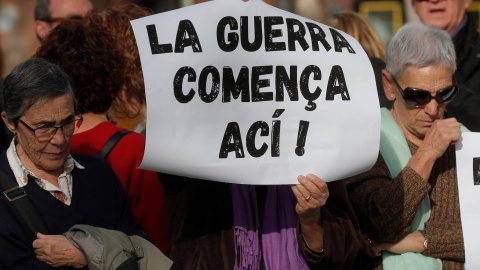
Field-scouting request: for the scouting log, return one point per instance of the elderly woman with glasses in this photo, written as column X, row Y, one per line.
column 408, row 202
column 62, row 189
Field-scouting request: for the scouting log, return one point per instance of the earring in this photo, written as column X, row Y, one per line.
column 392, row 97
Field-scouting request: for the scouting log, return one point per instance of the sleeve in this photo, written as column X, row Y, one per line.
column 341, row 232
column 445, row 241
column 17, row 256
column 16, row 243
column 385, row 207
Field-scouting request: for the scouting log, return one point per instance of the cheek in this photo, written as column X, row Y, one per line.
column 31, row 147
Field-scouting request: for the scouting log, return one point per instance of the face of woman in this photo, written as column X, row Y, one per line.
column 45, row 155
column 416, row 122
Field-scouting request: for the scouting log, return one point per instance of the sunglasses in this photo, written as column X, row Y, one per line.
column 419, row 97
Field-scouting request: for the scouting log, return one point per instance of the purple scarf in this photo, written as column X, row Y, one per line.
column 279, row 238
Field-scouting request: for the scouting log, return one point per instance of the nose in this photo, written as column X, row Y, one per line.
column 432, row 108
column 58, row 137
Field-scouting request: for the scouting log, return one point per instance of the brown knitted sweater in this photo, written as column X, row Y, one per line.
column 386, row 206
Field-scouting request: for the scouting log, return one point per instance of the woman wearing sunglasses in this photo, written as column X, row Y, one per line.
column 408, row 202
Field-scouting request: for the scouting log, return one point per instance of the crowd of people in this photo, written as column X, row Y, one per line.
column 72, row 138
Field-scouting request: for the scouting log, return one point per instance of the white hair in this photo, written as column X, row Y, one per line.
column 419, row 45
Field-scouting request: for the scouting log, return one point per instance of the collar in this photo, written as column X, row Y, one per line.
column 459, row 27
column 21, row 173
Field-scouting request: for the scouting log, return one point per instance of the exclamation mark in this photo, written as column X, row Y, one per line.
column 302, row 137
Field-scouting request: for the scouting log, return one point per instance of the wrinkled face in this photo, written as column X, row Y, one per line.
column 49, row 155
column 62, row 9
column 416, row 122
column 443, row 14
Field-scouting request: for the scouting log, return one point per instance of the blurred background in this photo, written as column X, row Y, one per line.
column 18, row 41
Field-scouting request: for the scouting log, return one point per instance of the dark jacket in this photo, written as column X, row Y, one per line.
column 5, row 134
column 466, row 106
column 98, row 200
column 201, row 226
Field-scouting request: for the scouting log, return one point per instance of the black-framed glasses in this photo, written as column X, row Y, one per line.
column 418, row 97
column 46, row 133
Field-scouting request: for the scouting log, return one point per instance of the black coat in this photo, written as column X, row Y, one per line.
column 5, row 134
column 466, row 107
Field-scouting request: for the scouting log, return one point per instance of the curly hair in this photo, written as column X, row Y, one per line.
column 116, row 19
column 91, row 57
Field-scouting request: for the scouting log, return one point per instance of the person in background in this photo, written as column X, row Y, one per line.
column 65, row 188
column 5, row 134
column 129, row 107
column 408, row 202
column 358, row 27
column 96, row 66
column 49, row 13
column 452, row 17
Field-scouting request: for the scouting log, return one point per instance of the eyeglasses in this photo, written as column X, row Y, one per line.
column 44, row 134
column 419, row 97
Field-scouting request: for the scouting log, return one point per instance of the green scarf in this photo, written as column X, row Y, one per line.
column 395, row 152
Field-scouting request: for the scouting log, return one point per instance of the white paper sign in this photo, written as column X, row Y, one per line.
column 468, row 173
column 243, row 92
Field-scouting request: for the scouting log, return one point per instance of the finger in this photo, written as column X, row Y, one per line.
column 300, row 197
column 301, row 187
column 315, row 188
column 39, row 243
column 319, row 184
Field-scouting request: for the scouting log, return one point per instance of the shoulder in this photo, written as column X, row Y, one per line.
column 92, row 163
column 133, row 142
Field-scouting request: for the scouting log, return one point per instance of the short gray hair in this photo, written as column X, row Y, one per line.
column 30, row 82
column 419, row 45
column 42, row 10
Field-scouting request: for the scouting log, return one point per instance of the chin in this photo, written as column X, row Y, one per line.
column 53, row 165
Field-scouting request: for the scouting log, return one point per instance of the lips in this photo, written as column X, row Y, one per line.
column 437, row 10
column 55, row 155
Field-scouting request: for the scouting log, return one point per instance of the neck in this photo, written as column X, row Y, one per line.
column 91, row 120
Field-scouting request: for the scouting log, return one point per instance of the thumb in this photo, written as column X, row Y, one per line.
column 41, row 236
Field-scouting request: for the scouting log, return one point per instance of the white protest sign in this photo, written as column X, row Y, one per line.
column 468, row 174
column 243, row 92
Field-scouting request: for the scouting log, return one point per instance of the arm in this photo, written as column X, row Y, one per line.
column 385, row 207
column 329, row 226
column 445, row 241
column 412, row 242
column 17, row 254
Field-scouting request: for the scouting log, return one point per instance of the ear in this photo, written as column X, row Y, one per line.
column 388, row 85
column 42, row 29
column 9, row 123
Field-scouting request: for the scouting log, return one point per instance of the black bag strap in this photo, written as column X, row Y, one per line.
column 18, row 197
column 110, row 144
